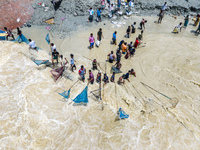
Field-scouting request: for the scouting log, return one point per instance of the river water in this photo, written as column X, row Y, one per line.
column 35, row 116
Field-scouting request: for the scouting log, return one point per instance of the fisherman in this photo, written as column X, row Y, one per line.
column 128, row 32
column 73, row 66
column 91, row 41
column 105, row 79
column 130, row 45
column 161, row 15
column 9, row 32
column 32, row 45
column 127, row 75
column 111, row 57
column 121, row 79
column 91, row 12
column 132, row 52
column 118, row 4
column 119, row 55
column 19, row 32
column 118, row 65
column 140, row 37
column 55, row 56
column 99, row 77
column 133, row 27
column 124, row 48
column 99, row 15
column 198, row 29
column 102, row 4
column 120, row 44
column 127, row 54
column 142, row 24
column 133, row 72
column 114, row 39
column 82, row 72
column 112, row 79
column 53, row 47
column 91, row 77
column 186, row 21
column 62, row 61
column 94, row 64
column 178, row 28
column 136, row 43
column 164, row 7
column 111, row 9
column 99, row 34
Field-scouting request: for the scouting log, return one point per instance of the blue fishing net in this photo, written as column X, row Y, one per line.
column 114, row 69
column 2, row 37
column 65, row 94
column 39, row 62
column 47, row 38
column 21, row 39
column 122, row 114
column 83, row 97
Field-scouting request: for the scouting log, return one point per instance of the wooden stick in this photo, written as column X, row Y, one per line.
column 50, row 33
column 74, row 84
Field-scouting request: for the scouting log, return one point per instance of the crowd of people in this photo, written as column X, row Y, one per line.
column 124, row 48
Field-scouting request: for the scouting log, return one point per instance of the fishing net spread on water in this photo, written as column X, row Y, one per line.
column 82, row 97
column 122, row 114
column 65, row 94
column 21, row 39
column 57, row 72
column 40, row 62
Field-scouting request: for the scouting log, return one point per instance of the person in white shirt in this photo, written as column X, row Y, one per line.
column 91, row 12
column 63, row 62
column 178, row 28
column 164, row 7
column 32, row 45
column 53, row 46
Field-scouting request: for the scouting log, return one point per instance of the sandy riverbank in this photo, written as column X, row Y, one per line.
column 34, row 116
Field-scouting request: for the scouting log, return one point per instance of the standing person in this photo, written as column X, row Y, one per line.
column 91, row 77
column 111, row 57
column 130, row 46
column 32, row 45
column 114, row 39
column 133, row 72
column 99, row 15
column 198, row 29
column 119, row 55
column 9, row 32
column 102, row 4
column 94, row 64
column 99, row 34
column 127, row 75
column 127, row 54
column 136, row 43
column 128, row 32
column 112, row 79
column 91, row 12
column 55, row 56
column 19, row 32
column 82, row 72
column 73, row 66
column 132, row 52
column 124, row 48
column 161, row 15
column 118, row 4
column 53, row 47
column 118, row 65
column 108, row 1
column 99, row 77
column 91, row 41
column 121, row 79
column 164, row 7
column 178, row 28
column 111, row 9
column 120, row 44
column 105, row 79
column 140, row 37
column 142, row 24
column 186, row 21
column 133, row 27
column 63, row 62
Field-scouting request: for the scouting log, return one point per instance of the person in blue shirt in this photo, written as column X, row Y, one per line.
column 112, row 79
column 105, row 79
column 114, row 38
column 127, row 75
column 99, row 15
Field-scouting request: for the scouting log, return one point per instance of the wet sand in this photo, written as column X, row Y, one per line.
column 35, row 116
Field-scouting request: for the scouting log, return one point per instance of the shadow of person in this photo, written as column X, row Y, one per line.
column 56, row 4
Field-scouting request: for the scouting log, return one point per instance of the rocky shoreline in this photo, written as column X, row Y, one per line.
column 76, row 12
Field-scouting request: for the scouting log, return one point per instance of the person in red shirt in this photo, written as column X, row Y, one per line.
column 136, row 43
